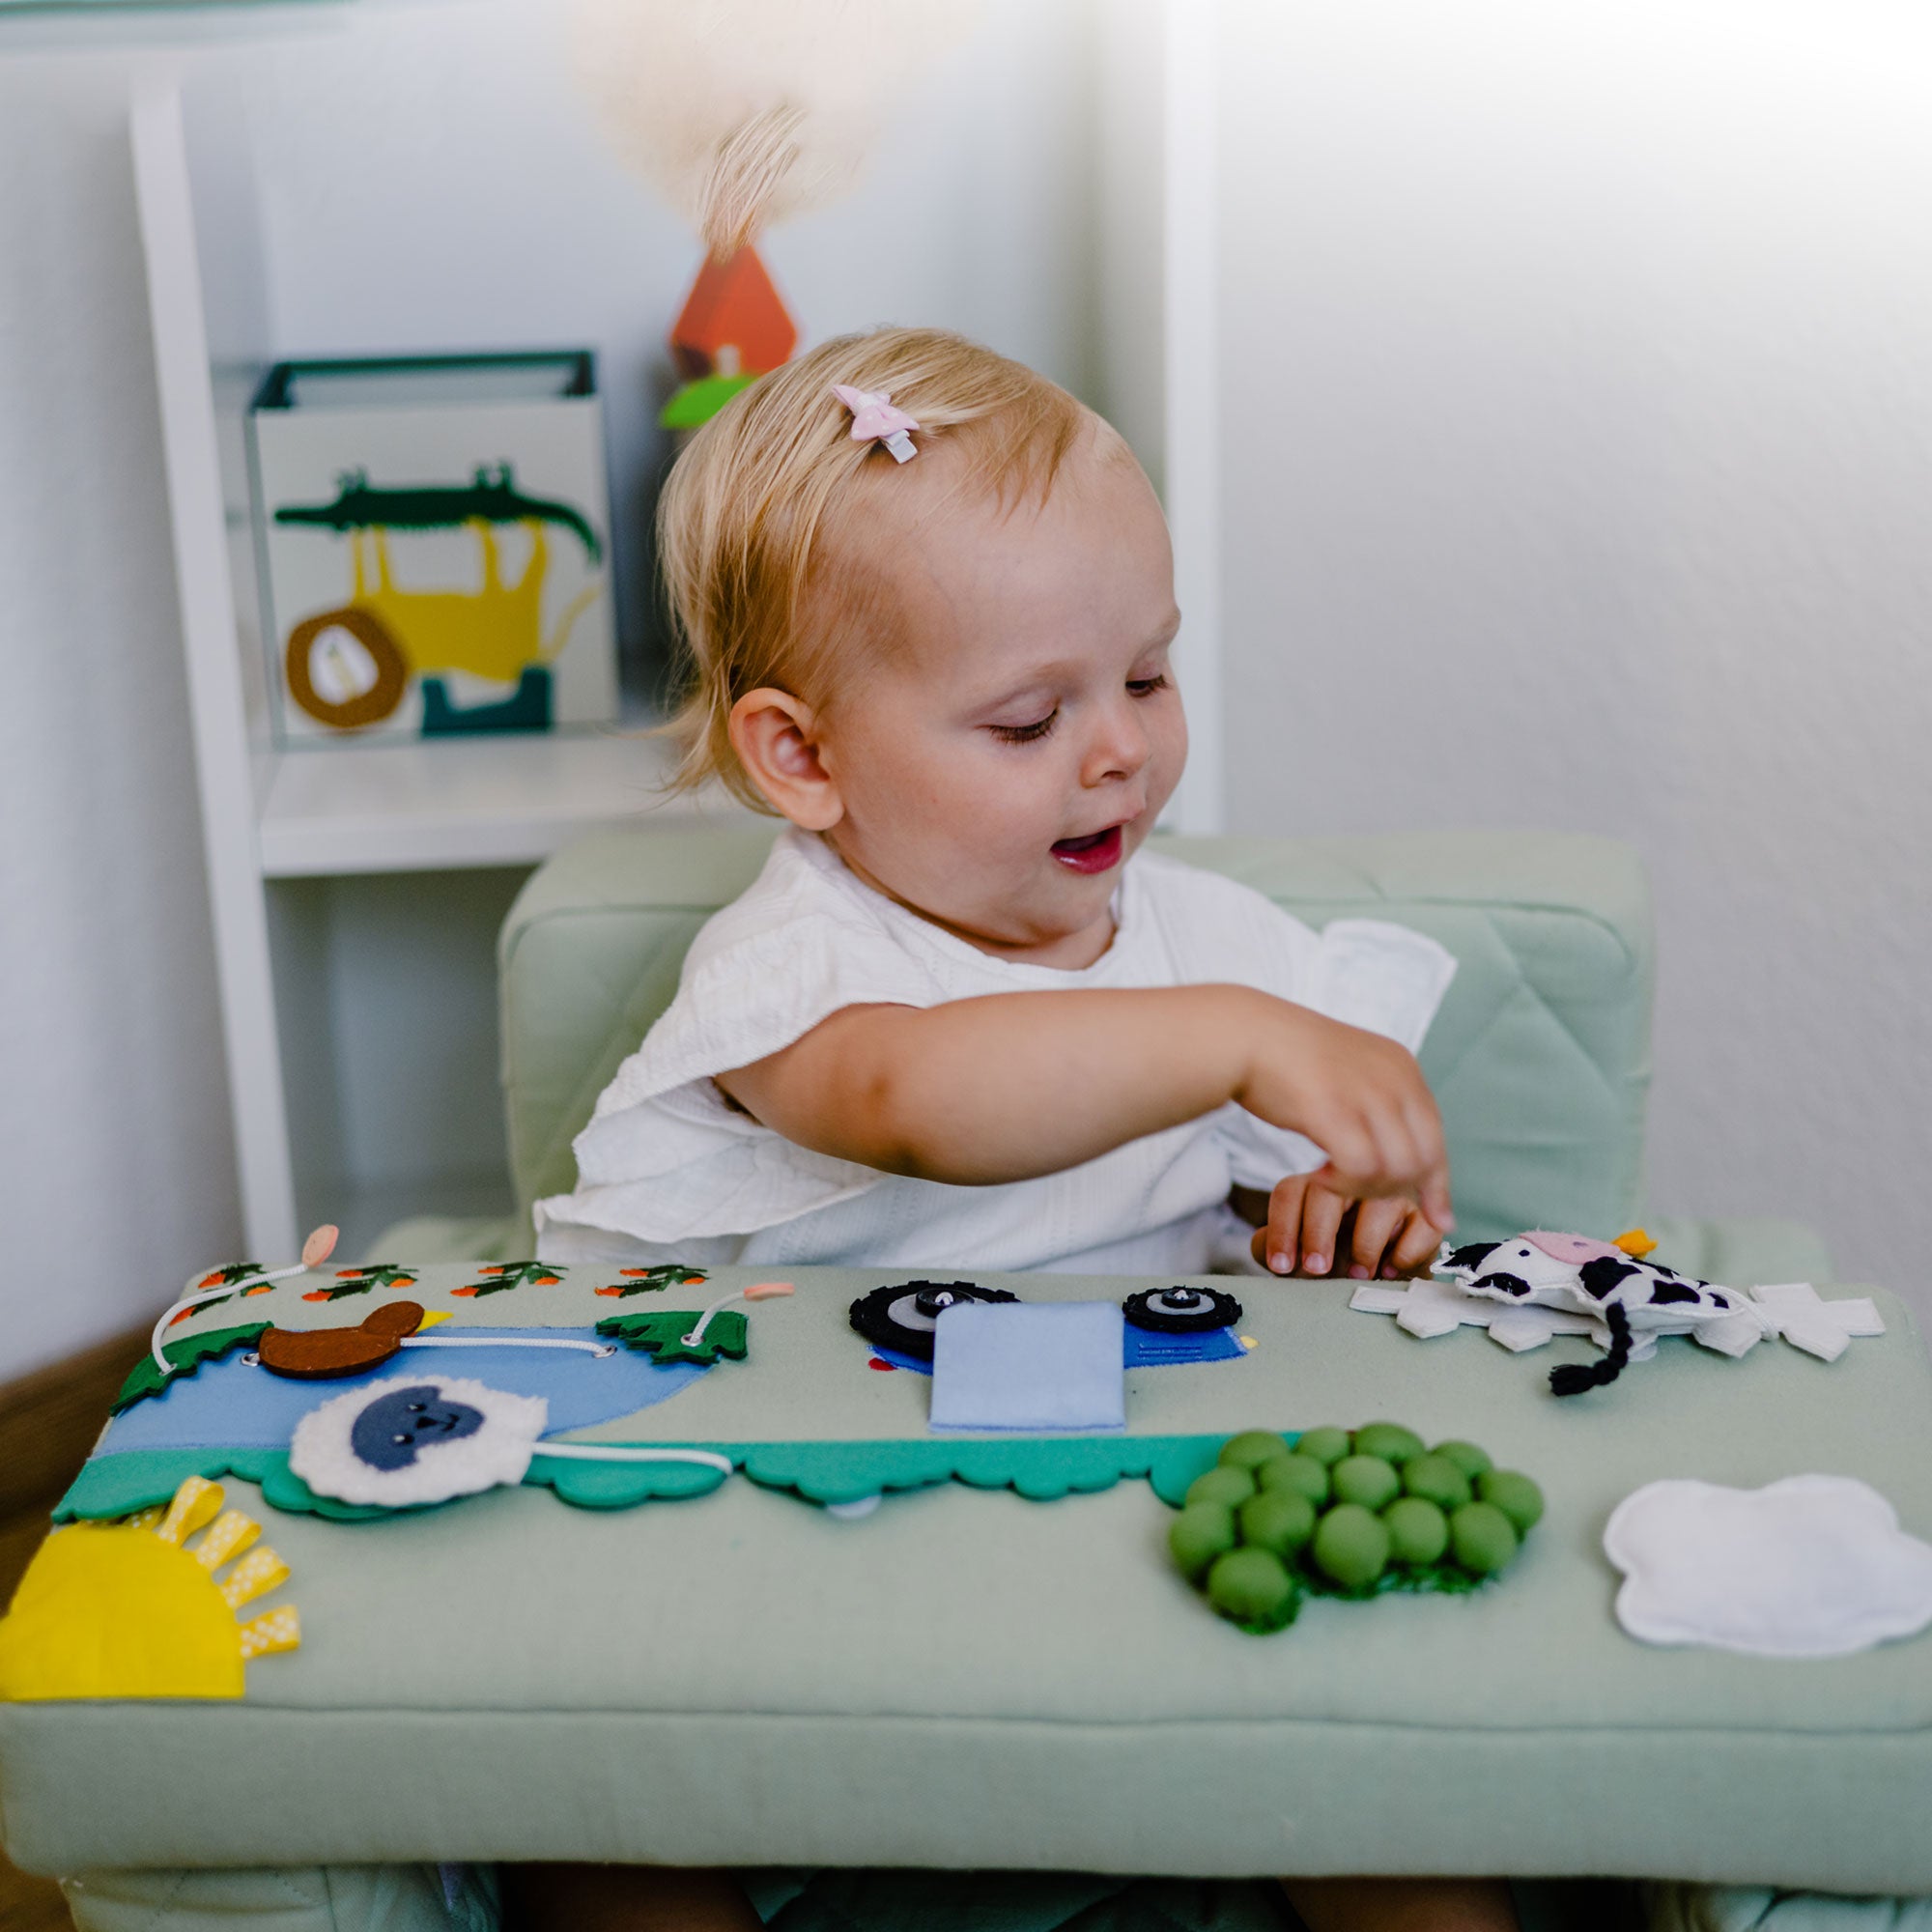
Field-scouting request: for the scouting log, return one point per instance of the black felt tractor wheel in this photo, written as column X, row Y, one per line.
column 1181, row 1311
column 903, row 1318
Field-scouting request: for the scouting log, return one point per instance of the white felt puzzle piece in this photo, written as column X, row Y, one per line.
column 1808, row 1322
column 1735, row 1336
column 1424, row 1308
column 1380, row 1297
column 1427, row 1309
column 1521, row 1328
column 1818, row 1338
column 1430, row 1309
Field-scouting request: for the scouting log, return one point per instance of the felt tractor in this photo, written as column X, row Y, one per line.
column 349, row 666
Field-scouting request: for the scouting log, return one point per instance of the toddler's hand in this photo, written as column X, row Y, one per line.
column 1313, row 1230
column 1360, row 1099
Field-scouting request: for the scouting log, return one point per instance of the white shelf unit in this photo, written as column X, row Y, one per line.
column 355, row 891
column 286, row 833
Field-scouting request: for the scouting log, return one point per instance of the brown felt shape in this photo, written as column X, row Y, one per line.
column 320, row 1354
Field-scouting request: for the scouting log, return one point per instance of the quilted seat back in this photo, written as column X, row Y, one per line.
column 1540, row 1055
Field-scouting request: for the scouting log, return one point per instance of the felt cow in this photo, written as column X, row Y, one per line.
column 1634, row 1302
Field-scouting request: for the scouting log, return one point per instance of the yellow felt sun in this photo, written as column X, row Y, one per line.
column 129, row 1610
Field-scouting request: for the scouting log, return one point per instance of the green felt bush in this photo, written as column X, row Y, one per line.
column 1345, row 1513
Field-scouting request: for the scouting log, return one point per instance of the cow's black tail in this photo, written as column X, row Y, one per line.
column 1573, row 1378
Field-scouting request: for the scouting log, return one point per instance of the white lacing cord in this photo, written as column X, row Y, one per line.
column 600, row 1350
column 188, row 1301
column 599, row 1452
column 759, row 1291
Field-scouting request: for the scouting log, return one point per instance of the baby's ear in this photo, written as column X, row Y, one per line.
column 776, row 737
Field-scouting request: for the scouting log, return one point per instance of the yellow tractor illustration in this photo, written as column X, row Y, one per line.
column 350, row 667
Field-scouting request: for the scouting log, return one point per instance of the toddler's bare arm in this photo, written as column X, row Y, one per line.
column 1015, row 1085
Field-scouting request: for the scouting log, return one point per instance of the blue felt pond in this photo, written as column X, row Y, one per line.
column 234, row 1402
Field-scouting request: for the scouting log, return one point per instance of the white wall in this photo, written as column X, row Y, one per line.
column 1578, row 429
column 116, row 1166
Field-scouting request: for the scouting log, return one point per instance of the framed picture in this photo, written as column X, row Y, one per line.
column 433, row 542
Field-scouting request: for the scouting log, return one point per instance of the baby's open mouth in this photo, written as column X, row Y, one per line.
column 1095, row 852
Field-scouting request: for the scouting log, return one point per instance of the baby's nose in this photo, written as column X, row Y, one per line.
column 1118, row 749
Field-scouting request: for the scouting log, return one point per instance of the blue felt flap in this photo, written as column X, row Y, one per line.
column 1023, row 1365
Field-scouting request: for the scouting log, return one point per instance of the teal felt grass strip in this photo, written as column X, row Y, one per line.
column 844, row 1472
column 1042, row 1470
column 137, row 1479
column 608, row 1485
column 119, row 1485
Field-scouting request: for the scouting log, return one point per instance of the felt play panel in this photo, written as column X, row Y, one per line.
column 794, row 1397
column 965, row 1677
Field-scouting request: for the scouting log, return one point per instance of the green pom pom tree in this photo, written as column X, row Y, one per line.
column 1349, row 1513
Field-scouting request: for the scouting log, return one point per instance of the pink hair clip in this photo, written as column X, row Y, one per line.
column 875, row 420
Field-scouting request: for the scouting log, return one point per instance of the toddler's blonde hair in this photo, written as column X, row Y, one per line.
column 771, row 496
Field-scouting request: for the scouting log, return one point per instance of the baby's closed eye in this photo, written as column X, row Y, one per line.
column 1025, row 734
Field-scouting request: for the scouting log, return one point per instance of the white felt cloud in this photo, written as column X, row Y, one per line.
column 416, row 1439
column 1811, row 1566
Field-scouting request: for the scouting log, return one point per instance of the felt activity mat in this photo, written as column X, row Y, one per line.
column 837, row 1400
column 1023, row 1674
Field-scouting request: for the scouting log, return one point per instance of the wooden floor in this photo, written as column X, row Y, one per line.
column 47, row 1424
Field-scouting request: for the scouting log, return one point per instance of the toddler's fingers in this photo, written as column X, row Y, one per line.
column 1416, row 1247
column 1424, row 1123
column 1433, row 1198
column 1321, row 1212
column 1377, row 1223
column 1278, row 1246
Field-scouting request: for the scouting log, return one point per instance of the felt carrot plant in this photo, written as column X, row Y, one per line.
column 501, row 1276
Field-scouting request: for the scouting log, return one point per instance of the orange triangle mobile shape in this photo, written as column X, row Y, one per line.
column 733, row 315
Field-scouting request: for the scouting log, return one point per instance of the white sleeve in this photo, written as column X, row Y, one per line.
column 1368, row 973
column 666, row 1157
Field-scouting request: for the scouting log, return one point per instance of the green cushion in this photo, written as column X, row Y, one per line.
column 965, row 1678
column 1539, row 1056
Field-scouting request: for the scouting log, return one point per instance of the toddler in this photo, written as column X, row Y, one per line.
column 962, row 1021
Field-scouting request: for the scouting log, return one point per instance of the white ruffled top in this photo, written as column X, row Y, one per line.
column 668, row 1170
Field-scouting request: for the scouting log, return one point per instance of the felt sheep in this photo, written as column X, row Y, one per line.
column 416, row 1439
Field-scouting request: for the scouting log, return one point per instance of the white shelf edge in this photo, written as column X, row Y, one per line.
column 355, row 846
column 414, row 806
column 218, row 715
